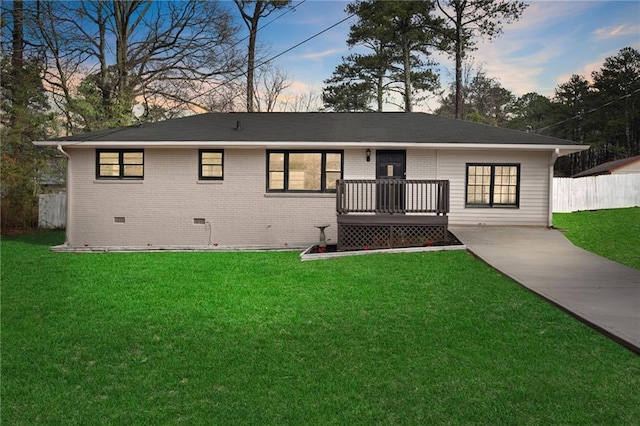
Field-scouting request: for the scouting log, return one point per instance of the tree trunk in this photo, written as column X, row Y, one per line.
column 17, row 36
column 17, row 61
column 122, row 15
column 250, row 72
column 458, row 46
column 253, row 34
column 380, row 92
column 104, row 68
column 407, row 74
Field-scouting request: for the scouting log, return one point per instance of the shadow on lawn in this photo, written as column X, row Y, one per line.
column 46, row 238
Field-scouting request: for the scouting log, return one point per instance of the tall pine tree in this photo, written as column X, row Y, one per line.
column 472, row 19
column 400, row 36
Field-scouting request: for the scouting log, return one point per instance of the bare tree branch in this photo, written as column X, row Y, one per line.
column 117, row 51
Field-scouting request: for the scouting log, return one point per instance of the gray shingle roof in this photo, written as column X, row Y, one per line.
column 396, row 127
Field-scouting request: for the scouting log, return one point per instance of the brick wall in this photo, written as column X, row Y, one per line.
column 160, row 209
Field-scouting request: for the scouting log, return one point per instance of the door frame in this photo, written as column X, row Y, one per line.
column 390, row 197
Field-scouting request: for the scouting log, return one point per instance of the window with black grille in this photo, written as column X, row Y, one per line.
column 303, row 171
column 493, row 185
column 211, row 164
column 119, row 164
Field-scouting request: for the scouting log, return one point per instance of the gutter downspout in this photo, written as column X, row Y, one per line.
column 67, row 219
column 554, row 156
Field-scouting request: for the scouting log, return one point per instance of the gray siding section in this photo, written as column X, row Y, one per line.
column 422, row 164
column 534, row 188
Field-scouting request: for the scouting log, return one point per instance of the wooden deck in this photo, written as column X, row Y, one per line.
column 390, row 213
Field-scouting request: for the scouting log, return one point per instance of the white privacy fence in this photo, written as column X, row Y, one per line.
column 52, row 210
column 596, row 192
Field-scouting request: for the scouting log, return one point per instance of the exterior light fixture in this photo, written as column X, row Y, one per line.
column 368, row 155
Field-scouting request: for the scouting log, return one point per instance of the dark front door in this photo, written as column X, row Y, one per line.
column 391, row 172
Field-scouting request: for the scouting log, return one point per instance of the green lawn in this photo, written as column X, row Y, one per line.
column 262, row 338
column 614, row 234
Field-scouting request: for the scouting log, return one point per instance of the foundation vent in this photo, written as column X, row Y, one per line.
column 119, row 219
column 199, row 221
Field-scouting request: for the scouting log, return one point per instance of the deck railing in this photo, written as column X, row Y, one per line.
column 392, row 196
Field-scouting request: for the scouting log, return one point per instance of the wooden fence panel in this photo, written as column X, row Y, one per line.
column 52, row 210
column 596, row 192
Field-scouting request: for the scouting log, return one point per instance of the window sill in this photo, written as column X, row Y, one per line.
column 491, row 207
column 300, row 195
column 210, row 182
column 119, row 181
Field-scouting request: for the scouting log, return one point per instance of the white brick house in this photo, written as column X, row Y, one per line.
column 265, row 180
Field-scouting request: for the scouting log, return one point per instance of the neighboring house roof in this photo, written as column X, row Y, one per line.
column 607, row 168
column 356, row 129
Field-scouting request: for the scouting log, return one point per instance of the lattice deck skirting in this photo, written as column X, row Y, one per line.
column 356, row 232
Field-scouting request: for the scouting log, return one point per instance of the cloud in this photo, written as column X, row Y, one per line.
column 298, row 87
column 321, row 55
column 517, row 63
column 617, row 31
column 549, row 13
column 528, row 48
column 547, row 45
column 584, row 71
column 300, row 96
column 587, row 69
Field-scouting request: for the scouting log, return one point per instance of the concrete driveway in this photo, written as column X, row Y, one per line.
column 603, row 294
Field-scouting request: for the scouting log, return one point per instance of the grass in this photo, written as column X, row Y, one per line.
column 614, row 234
column 262, row 338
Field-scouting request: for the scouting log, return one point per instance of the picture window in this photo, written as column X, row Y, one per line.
column 303, row 171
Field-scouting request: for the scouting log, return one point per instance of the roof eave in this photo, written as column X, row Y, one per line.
column 563, row 149
column 626, row 164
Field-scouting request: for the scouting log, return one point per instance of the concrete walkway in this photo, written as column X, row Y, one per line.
column 603, row 294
